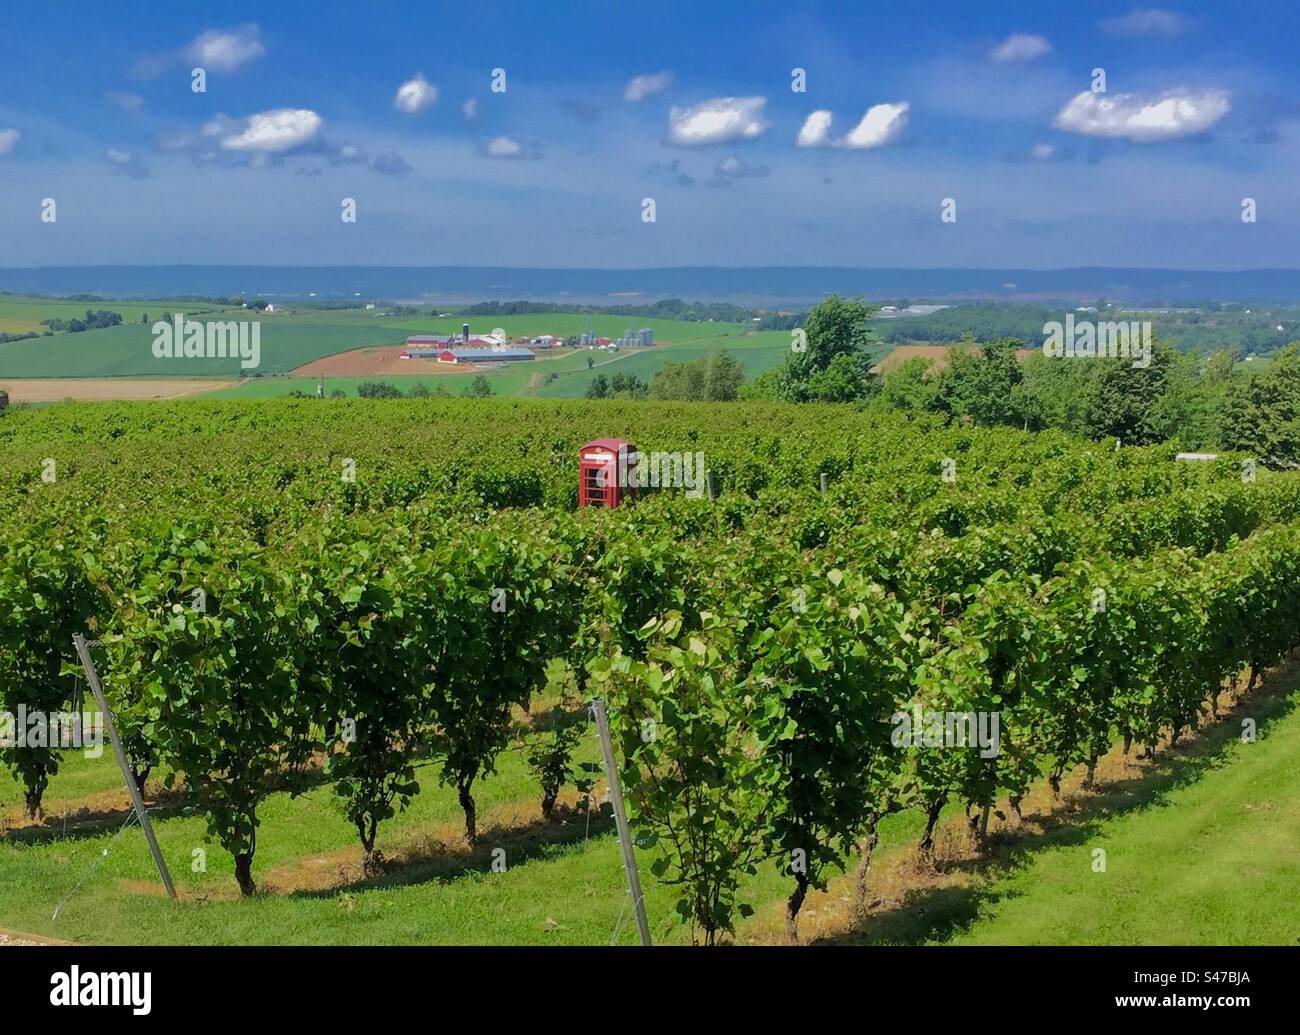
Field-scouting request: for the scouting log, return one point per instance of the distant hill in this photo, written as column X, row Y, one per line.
column 767, row 285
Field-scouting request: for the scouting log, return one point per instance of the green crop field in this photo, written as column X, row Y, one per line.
column 287, row 342
column 20, row 314
column 298, row 336
column 299, row 634
column 564, row 324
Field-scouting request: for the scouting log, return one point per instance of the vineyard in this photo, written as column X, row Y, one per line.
column 367, row 600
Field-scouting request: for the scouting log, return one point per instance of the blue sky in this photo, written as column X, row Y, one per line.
column 606, row 104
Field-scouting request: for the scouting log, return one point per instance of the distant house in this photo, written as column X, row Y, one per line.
column 270, row 307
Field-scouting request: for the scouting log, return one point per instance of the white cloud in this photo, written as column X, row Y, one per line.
column 219, row 50
column 503, row 147
column 718, row 121
column 642, row 86
column 509, row 148
column 269, row 132
column 1042, row 152
column 415, row 95
column 1020, row 46
column 470, row 109
column 1147, row 21
column 224, row 50
column 815, row 130
column 1143, row 118
column 881, row 124
column 8, row 137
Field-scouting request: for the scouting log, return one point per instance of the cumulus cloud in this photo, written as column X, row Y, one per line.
column 125, row 100
column 1020, row 46
column 881, row 124
column 268, row 132
column 125, row 163
column 718, row 121
column 642, row 86
column 224, row 50
column 8, row 138
column 266, row 140
column 218, row 50
column 509, row 148
column 816, row 130
column 415, row 95
column 470, row 109
column 1147, row 21
column 1042, row 152
column 1144, row 118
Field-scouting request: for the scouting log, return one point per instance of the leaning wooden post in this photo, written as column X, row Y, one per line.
column 825, row 479
column 92, row 677
column 620, row 819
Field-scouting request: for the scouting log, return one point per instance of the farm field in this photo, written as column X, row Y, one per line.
column 126, row 350
column 308, row 342
column 417, row 568
column 44, row 390
column 20, row 314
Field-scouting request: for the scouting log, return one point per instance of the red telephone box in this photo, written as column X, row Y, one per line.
column 606, row 473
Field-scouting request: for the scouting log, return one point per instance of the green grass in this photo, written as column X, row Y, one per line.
column 1212, row 858
column 20, row 313
column 127, row 350
column 1203, row 848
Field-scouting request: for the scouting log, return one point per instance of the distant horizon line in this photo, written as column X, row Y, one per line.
column 634, row 269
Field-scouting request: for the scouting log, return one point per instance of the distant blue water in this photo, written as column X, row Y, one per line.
column 753, row 286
